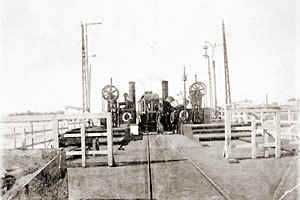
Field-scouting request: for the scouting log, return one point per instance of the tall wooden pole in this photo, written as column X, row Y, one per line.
column 209, row 77
column 227, row 81
column 88, row 71
column 83, row 62
column 184, row 88
column 86, row 68
column 215, row 84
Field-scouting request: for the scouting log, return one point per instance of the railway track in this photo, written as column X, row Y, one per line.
column 149, row 176
column 162, row 175
column 211, row 181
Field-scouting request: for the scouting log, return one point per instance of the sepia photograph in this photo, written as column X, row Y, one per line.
column 149, row 99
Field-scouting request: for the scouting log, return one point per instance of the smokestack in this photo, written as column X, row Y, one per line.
column 165, row 89
column 131, row 96
column 132, row 92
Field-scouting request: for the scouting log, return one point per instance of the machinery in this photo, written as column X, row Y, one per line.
column 195, row 114
column 155, row 113
column 196, row 93
column 122, row 112
column 126, row 111
column 148, row 107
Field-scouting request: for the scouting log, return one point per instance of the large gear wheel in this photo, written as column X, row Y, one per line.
column 110, row 93
column 197, row 86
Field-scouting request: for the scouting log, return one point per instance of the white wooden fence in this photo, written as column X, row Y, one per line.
column 34, row 131
column 267, row 144
column 83, row 119
column 21, row 132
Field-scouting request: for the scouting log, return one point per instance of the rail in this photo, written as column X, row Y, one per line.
column 149, row 173
column 221, row 191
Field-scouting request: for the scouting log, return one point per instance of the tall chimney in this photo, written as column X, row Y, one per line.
column 165, row 89
column 131, row 96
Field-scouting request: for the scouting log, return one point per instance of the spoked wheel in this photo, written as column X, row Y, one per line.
column 110, row 92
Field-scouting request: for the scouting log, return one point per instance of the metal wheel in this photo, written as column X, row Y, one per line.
column 197, row 86
column 110, row 92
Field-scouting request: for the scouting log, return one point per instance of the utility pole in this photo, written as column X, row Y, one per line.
column 184, row 89
column 86, row 68
column 213, row 47
column 215, row 84
column 209, row 76
column 227, row 80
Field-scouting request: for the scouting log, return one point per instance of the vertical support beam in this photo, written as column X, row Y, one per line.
column 215, row 85
column 184, row 88
column 253, row 138
column 69, row 124
column 265, row 136
column 15, row 137
column 32, row 136
column 277, row 135
column 266, row 140
column 94, row 146
column 109, row 140
column 227, row 145
column 226, row 70
column 289, row 116
column 44, row 131
column 84, row 66
column 55, row 133
column 24, row 138
column 83, row 153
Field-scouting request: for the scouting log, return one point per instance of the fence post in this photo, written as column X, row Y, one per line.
column 24, row 138
column 277, row 135
column 289, row 116
column 55, row 133
column 266, row 140
column 83, row 155
column 45, row 145
column 32, row 139
column 253, row 138
column 109, row 140
column 227, row 145
column 94, row 146
column 15, row 137
column 69, row 125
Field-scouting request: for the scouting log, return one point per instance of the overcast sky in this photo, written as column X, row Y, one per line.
column 146, row 42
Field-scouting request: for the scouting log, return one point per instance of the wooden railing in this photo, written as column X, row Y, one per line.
column 276, row 135
column 83, row 120
column 33, row 131
column 21, row 132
